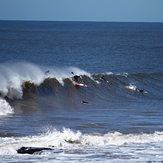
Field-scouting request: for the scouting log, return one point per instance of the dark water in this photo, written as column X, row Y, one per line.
column 129, row 55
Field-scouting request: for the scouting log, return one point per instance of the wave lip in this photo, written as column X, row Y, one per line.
column 14, row 76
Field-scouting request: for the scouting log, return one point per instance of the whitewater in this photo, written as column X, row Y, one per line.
column 68, row 146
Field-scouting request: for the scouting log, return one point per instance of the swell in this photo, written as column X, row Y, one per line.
column 119, row 87
column 25, row 80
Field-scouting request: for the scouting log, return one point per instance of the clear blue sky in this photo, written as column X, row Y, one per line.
column 82, row 10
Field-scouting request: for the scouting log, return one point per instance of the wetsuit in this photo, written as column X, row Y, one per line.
column 76, row 77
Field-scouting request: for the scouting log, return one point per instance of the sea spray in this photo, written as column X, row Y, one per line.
column 131, row 87
column 13, row 76
column 61, row 73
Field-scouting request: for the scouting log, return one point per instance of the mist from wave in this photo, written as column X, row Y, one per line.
column 13, row 76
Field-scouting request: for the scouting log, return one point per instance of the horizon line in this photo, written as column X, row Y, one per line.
column 97, row 21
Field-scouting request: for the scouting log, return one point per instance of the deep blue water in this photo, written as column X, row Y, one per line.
column 120, row 47
column 129, row 55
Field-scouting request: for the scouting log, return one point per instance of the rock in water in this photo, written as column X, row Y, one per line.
column 31, row 150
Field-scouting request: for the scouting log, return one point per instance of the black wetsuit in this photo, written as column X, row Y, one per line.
column 76, row 77
column 103, row 78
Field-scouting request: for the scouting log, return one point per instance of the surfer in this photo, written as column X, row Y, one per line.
column 102, row 78
column 141, row 90
column 134, row 88
column 84, row 102
column 75, row 77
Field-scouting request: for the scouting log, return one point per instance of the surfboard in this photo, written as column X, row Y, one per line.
column 80, row 84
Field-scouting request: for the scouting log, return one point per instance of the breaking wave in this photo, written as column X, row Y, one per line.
column 23, row 79
column 14, row 76
column 70, row 139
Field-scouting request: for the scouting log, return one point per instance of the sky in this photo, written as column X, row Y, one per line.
column 83, row 10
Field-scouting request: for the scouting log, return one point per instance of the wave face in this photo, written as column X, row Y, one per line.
column 18, row 78
column 21, row 78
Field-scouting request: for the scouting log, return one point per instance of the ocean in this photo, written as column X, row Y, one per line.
column 118, row 117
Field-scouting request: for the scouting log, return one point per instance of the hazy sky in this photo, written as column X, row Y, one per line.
column 82, row 10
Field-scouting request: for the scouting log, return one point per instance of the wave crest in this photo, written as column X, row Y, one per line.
column 14, row 76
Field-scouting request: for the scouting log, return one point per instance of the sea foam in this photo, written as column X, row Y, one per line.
column 69, row 139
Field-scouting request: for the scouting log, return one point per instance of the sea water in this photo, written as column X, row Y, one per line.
column 41, row 107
